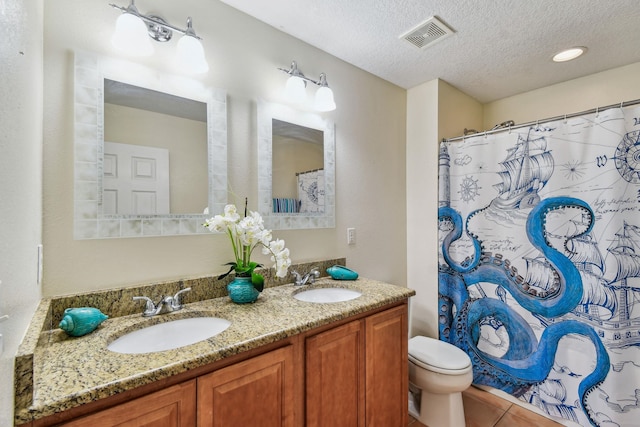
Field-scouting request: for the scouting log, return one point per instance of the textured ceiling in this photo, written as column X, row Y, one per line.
column 500, row 47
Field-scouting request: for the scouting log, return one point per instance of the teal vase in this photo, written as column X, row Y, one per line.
column 241, row 290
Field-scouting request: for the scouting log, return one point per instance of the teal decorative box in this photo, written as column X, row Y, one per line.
column 80, row 321
column 340, row 272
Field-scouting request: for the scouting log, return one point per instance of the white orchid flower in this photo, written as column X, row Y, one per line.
column 245, row 234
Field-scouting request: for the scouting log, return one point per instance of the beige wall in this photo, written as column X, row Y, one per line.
column 457, row 111
column 435, row 110
column 597, row 90
column 422, row 198
column 20, row 180
column 243, row 54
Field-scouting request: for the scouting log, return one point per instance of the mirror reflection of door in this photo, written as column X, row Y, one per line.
column 136, row 180
column 297, row 169
column 138, row 116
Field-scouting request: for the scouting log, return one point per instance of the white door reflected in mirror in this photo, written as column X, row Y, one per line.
column 136, row 180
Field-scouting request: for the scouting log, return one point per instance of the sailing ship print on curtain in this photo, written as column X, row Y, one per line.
column 539, row 263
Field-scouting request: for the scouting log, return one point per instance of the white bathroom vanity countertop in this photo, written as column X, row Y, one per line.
column 62, row 372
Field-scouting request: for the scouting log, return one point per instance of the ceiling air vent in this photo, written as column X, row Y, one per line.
column 427, row 33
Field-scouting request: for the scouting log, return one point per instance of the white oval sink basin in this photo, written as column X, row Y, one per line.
column 169, row 335
column 327, row 295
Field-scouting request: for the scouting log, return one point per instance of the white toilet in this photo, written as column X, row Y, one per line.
column 441, row 372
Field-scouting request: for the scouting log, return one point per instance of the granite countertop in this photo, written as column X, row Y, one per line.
column 68, row 372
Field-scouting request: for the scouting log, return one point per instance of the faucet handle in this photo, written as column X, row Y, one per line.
column 150, row 307
column 296, row 277
column 314, row 274
column 176, row 303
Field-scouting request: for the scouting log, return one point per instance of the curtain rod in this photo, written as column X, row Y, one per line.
column 312, row 170
column 551, row 119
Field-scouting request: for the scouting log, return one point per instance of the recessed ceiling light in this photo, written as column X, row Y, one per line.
column 569, row 54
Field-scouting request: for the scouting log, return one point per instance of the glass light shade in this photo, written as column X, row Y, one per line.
column 296, row 90
column 191, row 54
column 324, row 99
column 131, row 36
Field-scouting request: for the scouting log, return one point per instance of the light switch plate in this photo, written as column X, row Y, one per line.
column 351, row 236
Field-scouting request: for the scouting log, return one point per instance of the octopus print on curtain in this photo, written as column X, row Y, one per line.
column 539, row 263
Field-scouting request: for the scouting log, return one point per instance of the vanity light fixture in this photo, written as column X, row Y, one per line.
column 133, row 27
column 569, row 54
column 295, row 88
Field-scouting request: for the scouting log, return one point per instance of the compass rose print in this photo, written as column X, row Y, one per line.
column 573, row 170
column 312, row 192
column 627, row 157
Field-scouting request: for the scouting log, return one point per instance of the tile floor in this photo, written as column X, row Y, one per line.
column 483, row 409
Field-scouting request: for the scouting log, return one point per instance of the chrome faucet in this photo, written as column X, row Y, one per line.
column 165, row 305
column 308, row 278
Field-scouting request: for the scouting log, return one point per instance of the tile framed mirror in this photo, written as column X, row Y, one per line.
column 150, row 151
column 296, row 168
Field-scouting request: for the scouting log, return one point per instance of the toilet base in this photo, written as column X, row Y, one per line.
column 414, row 401
column 441, row 410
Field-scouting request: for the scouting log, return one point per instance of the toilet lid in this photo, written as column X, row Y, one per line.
column 438, row 354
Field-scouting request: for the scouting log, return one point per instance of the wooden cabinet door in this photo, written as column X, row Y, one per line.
column 386, row 368
column 256, row 392
column 335, row 377
column 174, row 406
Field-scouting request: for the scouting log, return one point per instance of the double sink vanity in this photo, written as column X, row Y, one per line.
column 183, row 331
column 333, row 352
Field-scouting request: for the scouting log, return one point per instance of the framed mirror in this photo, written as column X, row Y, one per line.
column 150, row 151
column 296, row 168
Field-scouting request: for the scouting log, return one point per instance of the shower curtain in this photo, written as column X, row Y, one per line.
column 539, row 263
column 311, row 191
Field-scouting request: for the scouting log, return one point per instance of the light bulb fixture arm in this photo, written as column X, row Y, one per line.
column 157, row 21
column 190, row 31
column 295, row 72
column 322, row 80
